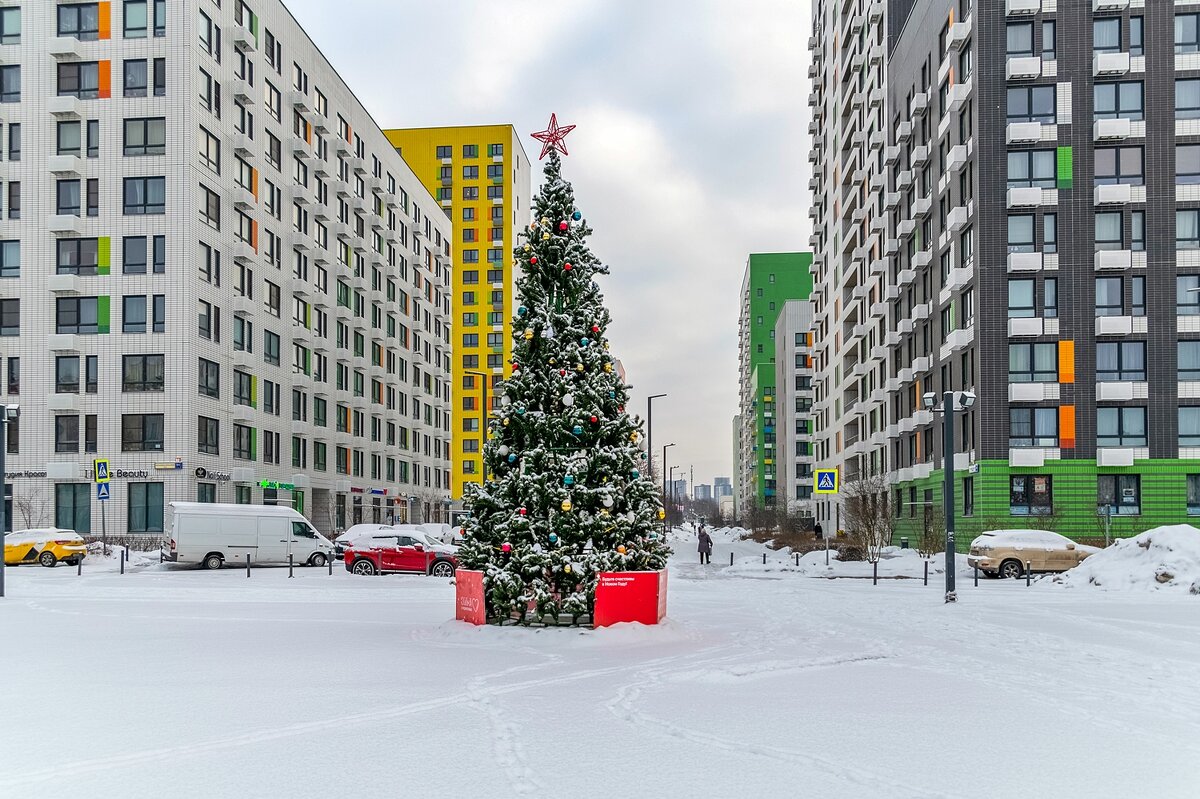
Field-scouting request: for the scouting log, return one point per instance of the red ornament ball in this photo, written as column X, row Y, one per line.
column 567, row 267
column 620, row 409
column 506, row 547
column 595, row 328
column 594, row 420
column 522, row 511
column 533, row 261
column 562, row 372
column 562, row 225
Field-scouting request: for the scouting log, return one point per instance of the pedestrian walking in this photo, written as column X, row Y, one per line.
column 705, row 545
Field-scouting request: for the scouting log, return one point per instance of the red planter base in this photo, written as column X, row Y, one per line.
column 620, row 597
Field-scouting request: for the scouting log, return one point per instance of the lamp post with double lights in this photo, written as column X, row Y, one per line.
column 666, row 517
column 650, row 429
column 951, row 401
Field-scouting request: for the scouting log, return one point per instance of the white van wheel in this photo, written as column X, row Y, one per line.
column 213, row 561
column 317, row 559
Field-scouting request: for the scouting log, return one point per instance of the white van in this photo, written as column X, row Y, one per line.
column 210, row 534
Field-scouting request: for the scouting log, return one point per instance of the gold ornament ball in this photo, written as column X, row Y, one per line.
column 662, row 514
column 527, row 248
column 566, row 504
column 567, row 568
column 553, row 361
column 528, row 333
column 604, row 511
column 545, row 236
column 621, row 549
column 578, row 367
column 545, row 221
column 606, row 345
column 608, row 367
column 505, row 421
column 633, row 436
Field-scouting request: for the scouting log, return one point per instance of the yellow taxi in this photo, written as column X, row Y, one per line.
column 47, row 546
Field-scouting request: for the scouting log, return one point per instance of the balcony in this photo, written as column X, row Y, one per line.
column 67, row 47
column 1024, row 132
column 64, row 106
column 958, row 95
column 1025, row 197
column 1027, row 457
column 1110, row 5
column 1116, row 194
column 1114, row 456
column 891, row 155
column 904, row 131
column 1111, row 129
column 64, row 223
column 63, row 402
column 1025, row 262
column 891, row 200
column 1114, row 259
column 244, row 40
column 957, row 219
column 64, row 284
column 65, row 164
column 1020, row 8
column 919, row 104
column 1110, row 64
column 1026, row 327
column 63, row 342
column 1023, row 68
column 958, row 35
column 921, row 207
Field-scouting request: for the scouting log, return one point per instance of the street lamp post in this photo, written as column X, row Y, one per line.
column 950, row 401
column 10, row 414
column 650, row 429
column 666, row 522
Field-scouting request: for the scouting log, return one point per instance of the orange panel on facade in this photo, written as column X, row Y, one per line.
column 104, row 72
column 104, row 20
column 1066, row 361
column 1066, row 426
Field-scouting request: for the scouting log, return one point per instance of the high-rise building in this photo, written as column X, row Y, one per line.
column 793, row 406
column 480, row 176
column 771, row 279
column 736, row 480
column 702, row 492
column 219, row 274
column 722, row 487
column 1063, row 126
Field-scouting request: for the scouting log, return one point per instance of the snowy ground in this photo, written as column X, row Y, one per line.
column 179, row 683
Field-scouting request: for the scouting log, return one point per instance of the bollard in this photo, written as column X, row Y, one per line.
column 79, row 567
column 730, row 558
column 976, row 576
column 160, row 555
column 247, row 564
column 926, row 572
column 121, row 558
column 797, row 558
column 290, row 575
column 875, row 573
column 764, row 558
column 1028, row 574
column 329, row 563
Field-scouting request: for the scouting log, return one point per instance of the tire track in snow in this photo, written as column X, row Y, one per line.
column 506, row 736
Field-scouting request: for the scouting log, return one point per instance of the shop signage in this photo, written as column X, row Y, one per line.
column 276, row 485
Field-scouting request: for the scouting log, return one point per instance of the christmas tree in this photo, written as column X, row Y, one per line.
column 566, row 495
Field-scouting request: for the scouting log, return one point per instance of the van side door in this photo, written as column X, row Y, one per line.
column 274, row 539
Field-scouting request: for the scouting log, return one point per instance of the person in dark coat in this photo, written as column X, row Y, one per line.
column 705, row 545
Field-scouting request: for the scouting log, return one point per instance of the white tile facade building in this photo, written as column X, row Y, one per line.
column 216, row 273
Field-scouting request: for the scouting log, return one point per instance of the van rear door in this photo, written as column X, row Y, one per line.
column 274, row 539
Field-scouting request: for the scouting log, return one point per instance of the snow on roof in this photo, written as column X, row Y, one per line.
column 1161, row 558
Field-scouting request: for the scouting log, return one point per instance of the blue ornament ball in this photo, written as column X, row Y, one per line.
column 583, row 342
column 520, row 411
column 522, row 311
column 568, row 480
column 553, row 538
column 577, row 430
column 635, row 474
column 512, row 458
column 577, row 216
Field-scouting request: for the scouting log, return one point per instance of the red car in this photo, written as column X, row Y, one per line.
column 400, row 553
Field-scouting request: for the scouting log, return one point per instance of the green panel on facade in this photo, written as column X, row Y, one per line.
column 102, row 305
column 1066, row 169
column 253, row 391
column 103, row 255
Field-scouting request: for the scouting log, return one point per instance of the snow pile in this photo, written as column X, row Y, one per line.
column 719, row 535
column 96, row 560
column 1162, row 558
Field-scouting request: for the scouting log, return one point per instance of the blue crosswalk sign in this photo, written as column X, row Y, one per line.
column 827, row 481
column 102, row 491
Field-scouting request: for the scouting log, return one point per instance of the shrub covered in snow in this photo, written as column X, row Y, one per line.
column 1161, row 558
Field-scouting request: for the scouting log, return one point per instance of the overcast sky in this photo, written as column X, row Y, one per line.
column 690, row 153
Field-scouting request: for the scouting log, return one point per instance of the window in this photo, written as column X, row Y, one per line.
column 66, row 434
column 1020, row 233
column 1033, row 363
column 1120, row 427
column 1187, row 163
column 10, row 25
column 1188, row 360
column 1032, row 104
column 10, row 325
column 133, row 314
column 1110, row 296
column 1121, row 360
column 141, row 373
column 210, row 150
column 1189, row 426
column 1049, row 298
column 1030, row 495
column 10, row 83
column 80, row 79
column 470, row 151
column 141, row 432
column 145, row 136
column 10, row 259
column 1028, row 168
column 1119, row 165
column 1119, row 100
column 69, row 138
column 1049, row 40
column 1106, row 35
column 1187, row 33
column 79, row 20
column 136, row 80
column 1187, row 99
column 1020, row 39
column 1033, row 427
column 66, row 374
column 1137, row 36
column 1110, row 233
column 145, row 196
column 243, row 334
column 73, row 503
column 135, row 19
column 1187, row 295
column 210, row 378
column 1119, row 494
column 145, row 512
column 14, row 198
column 1021, row 302
column 79, row 315
column 444, row 151
column 271, row 347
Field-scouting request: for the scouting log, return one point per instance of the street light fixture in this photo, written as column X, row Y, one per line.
column 952, row 401
column 10, row 415
column 650, row 429
column 664, row 486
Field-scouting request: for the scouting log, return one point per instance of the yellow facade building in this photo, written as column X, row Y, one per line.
column 481, row 176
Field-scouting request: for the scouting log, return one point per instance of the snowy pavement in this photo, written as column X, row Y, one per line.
column 177, row 683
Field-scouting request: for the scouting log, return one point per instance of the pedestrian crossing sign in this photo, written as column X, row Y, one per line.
column 102, row 491
column 100, row 470
column 826, row 481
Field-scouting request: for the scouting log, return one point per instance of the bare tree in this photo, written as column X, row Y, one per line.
column 933, row 531
column 425, row 495
column 867, row 514
column 32, row 506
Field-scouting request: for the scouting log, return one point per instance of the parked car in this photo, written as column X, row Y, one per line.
column 1004, row 553
column 398, row 551
column 46, row 545
column 210, row 534
column 352, row 534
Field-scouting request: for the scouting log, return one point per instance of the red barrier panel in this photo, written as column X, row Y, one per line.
column 468, row 590
column 631, row 596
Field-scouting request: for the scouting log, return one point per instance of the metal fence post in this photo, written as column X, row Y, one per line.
column 764, row 558
column 290, row 566
column 976, row 576
column 79, row 567
column 926, row 572
column 329, row 563
column 875, row 572
column 247, row 564
column 1028, row 574
column 730, row 558
column 797, row 558
column 121, row 558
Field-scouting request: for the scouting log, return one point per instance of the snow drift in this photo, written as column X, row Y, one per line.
column 1162, row 558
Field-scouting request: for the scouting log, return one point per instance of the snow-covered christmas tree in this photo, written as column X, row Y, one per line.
column 566, row 495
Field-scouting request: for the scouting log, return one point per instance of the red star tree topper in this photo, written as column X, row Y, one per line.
column 552, row 137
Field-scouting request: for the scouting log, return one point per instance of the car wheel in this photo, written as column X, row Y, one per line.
column 363, row 567
column 213, row 562
column 318, row 559
column 442, row 568
column 47, row 559
column 1011, row 569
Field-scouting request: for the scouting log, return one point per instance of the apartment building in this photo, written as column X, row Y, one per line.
column 793, row 404
column 218, row 274
column 1030, row 141
column 770, row 280
column 480, row 176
